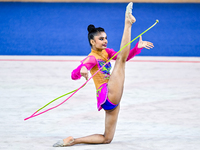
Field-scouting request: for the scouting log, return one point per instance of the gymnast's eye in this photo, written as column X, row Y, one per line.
column 101, row 38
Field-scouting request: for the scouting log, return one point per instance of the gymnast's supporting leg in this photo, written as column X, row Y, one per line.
column 106, row 138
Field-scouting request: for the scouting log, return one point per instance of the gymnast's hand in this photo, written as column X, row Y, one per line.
column 144, row 44
column 84, row 72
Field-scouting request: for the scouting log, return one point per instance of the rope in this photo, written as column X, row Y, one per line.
column 74, row 91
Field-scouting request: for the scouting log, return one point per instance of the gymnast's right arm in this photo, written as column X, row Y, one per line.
column 82, row 69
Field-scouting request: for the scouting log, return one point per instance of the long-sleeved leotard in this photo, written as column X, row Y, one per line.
column 95, row 60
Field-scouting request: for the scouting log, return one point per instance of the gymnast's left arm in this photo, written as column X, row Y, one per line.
column 145, row 44
column 136, row 50
column 132, row 52
column 138, row 47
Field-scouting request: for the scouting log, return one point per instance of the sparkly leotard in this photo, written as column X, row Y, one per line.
column 93, row 62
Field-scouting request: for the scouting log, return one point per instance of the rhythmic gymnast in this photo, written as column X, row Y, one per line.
column 109, row 86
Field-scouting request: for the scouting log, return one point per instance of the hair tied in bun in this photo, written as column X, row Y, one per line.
column 91, row 28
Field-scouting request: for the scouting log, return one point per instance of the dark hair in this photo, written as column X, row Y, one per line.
column 92, row 31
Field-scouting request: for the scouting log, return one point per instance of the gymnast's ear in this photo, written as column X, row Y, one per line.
column 92, row 41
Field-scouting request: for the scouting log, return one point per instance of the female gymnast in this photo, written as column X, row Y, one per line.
column 109, row 87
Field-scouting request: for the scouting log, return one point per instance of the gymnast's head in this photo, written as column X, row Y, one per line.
column 97, row 37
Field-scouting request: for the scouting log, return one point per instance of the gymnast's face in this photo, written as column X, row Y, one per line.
column 99, row 42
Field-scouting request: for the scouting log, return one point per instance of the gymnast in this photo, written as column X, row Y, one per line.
column 109, row 86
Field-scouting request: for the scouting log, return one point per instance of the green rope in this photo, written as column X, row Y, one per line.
column 106, row 62
column 56, row 99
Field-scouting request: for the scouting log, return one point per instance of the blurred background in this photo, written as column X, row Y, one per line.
column 59, row 27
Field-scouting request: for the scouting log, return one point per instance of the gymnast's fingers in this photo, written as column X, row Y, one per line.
column 149, row 45
column 86, row 76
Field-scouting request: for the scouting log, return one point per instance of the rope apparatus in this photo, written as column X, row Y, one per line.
column 74, row 91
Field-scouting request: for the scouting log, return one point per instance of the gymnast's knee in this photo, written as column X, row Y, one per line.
column 107, row 141
column 121, row 59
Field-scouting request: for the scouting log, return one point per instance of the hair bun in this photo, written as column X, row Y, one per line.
column 91, row 28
